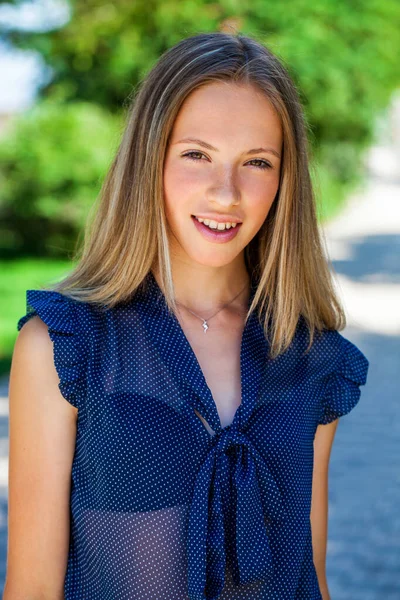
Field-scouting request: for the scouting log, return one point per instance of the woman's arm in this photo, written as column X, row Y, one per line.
column 323, row 441
column 42, row 430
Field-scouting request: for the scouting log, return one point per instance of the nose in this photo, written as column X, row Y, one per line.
column 225, row 191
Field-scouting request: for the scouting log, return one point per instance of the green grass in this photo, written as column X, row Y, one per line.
column 17, row 277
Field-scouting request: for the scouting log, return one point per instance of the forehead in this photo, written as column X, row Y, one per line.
column 229, row 110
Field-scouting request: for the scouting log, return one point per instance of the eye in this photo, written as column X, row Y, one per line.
column 189, row 156
column 263, row 164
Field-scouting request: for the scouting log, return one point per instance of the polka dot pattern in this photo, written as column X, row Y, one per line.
column 162, row 508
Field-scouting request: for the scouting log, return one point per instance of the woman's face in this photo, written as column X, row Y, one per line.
column 227, row 171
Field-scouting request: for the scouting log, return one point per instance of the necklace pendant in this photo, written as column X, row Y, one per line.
column 205, row 326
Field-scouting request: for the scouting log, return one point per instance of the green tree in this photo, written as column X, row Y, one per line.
column 341, row 55
column 52, row 165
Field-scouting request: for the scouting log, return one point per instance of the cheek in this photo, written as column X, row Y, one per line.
column 176, row 198
column 172, row 208
column 172, row 188
column 258, row 183
column 179, row 179
column 261, row 196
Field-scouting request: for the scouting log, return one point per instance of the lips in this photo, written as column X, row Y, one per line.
column 216, row 235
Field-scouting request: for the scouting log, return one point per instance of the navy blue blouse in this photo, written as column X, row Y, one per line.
column 163, row 509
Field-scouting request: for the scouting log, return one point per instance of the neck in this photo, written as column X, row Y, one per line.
column 206, row 289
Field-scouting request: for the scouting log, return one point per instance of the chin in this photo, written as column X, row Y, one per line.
column 213, row 259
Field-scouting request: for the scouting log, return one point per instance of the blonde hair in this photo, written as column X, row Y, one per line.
column 127, row 237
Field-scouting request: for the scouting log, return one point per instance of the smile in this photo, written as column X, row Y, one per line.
column 216, row 234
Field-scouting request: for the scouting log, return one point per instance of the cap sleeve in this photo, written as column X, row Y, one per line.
column 60, row 314
column 342, row 391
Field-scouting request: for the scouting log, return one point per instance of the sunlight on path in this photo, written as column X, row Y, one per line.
column 363, row 242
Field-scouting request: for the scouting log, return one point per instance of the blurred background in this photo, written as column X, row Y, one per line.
column 67, row 70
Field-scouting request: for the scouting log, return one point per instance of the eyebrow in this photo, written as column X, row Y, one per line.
column 209, row 147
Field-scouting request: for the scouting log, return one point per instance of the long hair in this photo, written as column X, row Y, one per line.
column 127, row 237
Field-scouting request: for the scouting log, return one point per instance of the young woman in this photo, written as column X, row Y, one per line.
column 173, row 401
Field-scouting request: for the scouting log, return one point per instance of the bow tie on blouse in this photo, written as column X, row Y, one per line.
column 235, row 496
column 232, row 461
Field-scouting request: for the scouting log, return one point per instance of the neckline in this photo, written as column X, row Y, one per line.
column 155, row 288
column 251, row 363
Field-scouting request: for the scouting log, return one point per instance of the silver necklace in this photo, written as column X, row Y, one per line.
column 205, row 322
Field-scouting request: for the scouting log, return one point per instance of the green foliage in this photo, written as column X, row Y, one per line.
column 343, row 54
column 343, row 57
column 52, row 165
column 16, row 278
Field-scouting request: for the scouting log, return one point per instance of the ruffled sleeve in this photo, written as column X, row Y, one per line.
column 342, row 391
column 60, row 314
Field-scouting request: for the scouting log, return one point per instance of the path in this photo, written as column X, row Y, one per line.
column 363, row 560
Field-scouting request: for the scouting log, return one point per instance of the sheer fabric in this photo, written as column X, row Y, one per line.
column 162, row 508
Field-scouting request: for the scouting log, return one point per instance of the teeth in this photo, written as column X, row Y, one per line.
column 214, row 225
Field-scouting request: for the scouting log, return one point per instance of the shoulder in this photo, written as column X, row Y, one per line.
column 334, row 365
column 345, row 371
column 57, row 323
column 343, row 356
column 58, row 311
column 331, row 352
